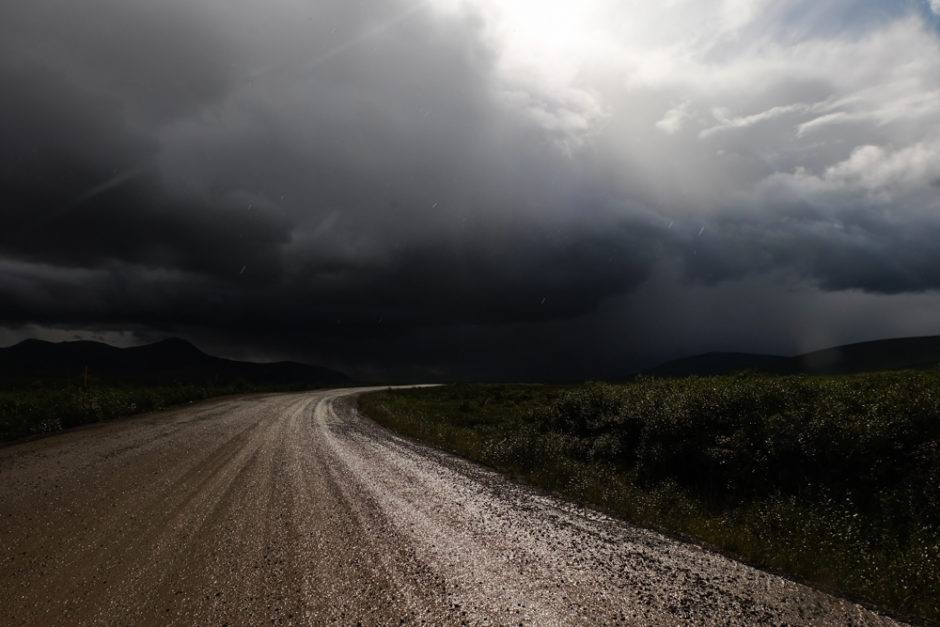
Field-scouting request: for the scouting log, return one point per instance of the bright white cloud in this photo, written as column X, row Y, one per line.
column 674, row 119
column 735, row 14
column 769, row 87
column 877, row 172
column 725, row 122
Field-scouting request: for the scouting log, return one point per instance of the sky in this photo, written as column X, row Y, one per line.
column 483, row 189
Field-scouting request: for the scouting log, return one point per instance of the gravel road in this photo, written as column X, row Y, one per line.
column 294, row 509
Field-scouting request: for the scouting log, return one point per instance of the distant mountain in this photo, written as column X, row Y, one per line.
column 168, row 361
column 710, row 364
column 892, row 354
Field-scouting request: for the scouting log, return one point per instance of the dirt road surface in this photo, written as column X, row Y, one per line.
column 294, row 509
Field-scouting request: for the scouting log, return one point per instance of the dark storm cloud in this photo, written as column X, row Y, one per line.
column 393, row 188
column 403, row 187
column 503, row 282
column 863, row 250
column 130, row 60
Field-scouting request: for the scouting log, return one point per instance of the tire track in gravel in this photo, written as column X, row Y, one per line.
column 295, row 509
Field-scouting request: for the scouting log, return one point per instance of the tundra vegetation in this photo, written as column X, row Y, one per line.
column 832, row 480
column 43, row 407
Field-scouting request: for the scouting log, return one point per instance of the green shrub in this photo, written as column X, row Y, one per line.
column 835, row 480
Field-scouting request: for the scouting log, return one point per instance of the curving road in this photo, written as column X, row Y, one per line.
column 294, row 509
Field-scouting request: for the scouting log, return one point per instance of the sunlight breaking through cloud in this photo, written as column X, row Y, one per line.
column 457, row 168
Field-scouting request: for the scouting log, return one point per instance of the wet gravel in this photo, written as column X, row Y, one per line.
column 294, row 509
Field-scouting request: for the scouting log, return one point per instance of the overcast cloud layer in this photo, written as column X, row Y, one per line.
column 485, row 188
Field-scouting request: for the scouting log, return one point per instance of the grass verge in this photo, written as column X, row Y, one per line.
column 832, row 480
column 39, row 408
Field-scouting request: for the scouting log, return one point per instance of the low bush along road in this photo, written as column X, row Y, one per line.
column 293, row 508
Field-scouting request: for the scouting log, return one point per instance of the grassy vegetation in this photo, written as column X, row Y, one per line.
column 834, row 480
column 43, row 407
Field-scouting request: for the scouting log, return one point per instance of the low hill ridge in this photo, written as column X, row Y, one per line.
column 173, row 360
column 872, row 356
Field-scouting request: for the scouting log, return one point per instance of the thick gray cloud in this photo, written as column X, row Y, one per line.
column 506, row 189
